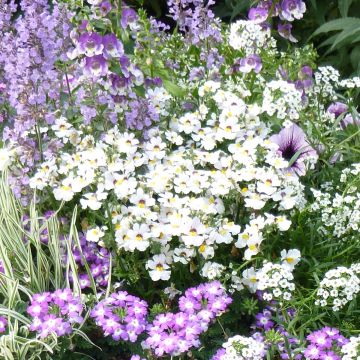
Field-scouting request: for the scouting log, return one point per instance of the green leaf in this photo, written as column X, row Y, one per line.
column 174, row 89
column 338, row 24
column 344, row 6
column 345, row 36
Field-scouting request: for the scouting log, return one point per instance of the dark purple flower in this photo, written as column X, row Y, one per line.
column 292, row 9
column 252, row 62
column 258, row 15
column 337, row 108
column 292, row 140
column 285, row 32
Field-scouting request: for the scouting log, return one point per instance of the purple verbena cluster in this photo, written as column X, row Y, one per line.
column 3, row 324
column 174, row 334
column 121, row 316
column 55, row 312
column 325, row 344
column 98, row 260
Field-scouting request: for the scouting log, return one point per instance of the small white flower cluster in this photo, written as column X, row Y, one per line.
column 326, row 81
column 350, row 83
column 338, row 287
column 340, row 211
column 282, row 99
column 250, row 37
column 274, row 279
column 351, row 350
column 243, row 348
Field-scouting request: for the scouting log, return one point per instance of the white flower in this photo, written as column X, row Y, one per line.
column 158, row 269
column 5, row 158
column 95, row 234
column 290, row 258
column 64, row 192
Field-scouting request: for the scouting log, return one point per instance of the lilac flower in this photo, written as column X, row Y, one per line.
column 324, row 344
column 55, row 312
column 263, row 320
column 292, row 140
column 105, row 7
column 285, row 31
column 292, row 9
column 90, row 44
column 112, row 46
column 252, row 62
column 128, row 17
column 258, row 14
column 141, row 115
column 3, row 324
column 337, row 108
column 95, row 66
column 349, row 120
column 121, row 316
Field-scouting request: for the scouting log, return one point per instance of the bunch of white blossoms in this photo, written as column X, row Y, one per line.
column 275, row 281
column 339, row 286
column 351, row 350
column 250, row 37
column 241, row 348
column 174, row 185
column 340, row 210
column 251, row 278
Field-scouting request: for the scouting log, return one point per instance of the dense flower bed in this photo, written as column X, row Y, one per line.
column 187, row 193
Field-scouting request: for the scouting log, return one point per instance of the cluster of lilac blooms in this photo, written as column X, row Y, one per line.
column 121, row 316
column 55, row 312
column 325, row 344
column 174, row 334
column 3, row 324
column 98, row 260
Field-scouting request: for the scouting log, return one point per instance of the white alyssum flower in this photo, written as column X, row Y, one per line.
column 338, row 287
column 243, row 348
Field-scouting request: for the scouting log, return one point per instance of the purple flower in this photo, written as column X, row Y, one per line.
column 291, row 141
column 128, row 16
column 337, row 108
column 121, row 316
column 3, row 324
column 95, row 66
column 292, row 9
column 252, row 62
column 55, row 312
column 349, row 120
column 105, row 7
column 263, row 320
column 258, row 15
column 285, row 32
column 112, row 46
column 90, row 44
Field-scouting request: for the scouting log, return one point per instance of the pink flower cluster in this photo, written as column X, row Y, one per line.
column 174, row 334
column 55, row 312
column 121, row 315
